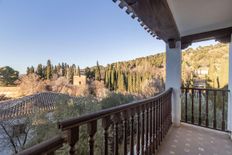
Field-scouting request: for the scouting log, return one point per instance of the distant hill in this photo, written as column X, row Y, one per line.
column 215, row 58
column 133, row 73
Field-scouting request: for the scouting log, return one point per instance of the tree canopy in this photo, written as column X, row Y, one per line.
column 8, row 76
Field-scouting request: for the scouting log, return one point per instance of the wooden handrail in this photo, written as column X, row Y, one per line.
column 45, row 147
column 209, row 89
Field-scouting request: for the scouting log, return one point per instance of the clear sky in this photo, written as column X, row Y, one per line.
column 72, row 31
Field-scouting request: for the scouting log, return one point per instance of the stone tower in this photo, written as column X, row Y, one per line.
column 79, row 80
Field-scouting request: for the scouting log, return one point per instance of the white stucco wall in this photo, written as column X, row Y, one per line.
column 173, row 79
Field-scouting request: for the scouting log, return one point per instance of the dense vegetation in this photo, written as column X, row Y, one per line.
column 8, row 76
column 42, row 125
column 131, row 76
column 48, row 71
column 140, row 76
column 136, row 76
column 214, row 58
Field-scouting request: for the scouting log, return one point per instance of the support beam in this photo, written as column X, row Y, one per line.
column 221, row 35
column 229, row 123
column 173, row 79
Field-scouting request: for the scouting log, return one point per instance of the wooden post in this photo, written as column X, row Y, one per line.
column 73, row 137
column 92, row 129
column 106, row 124
column 229, row 116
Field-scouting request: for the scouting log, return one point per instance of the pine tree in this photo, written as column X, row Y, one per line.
column 39, row 71
column 32, row 70
column 28, row 70
column 89, row 74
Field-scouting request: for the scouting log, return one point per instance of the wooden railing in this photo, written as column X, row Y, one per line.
column 135, row 128
column 205, row 107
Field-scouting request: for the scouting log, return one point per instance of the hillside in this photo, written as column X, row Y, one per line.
column 215, row 58
column 135, row 73
column 145, row 75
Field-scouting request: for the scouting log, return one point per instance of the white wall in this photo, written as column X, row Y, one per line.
column 173, row 79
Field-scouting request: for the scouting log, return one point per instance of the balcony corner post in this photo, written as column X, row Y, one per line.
column 173, row 79
column 229, row 120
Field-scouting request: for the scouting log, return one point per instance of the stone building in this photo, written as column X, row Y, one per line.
column 79, row 80
column 203, row 71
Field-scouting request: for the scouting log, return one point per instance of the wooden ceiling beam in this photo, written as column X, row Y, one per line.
column 221, row 35
column 157, row 17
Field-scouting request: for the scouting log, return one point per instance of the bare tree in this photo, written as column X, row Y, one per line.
column 30, row 84
column 14, row 134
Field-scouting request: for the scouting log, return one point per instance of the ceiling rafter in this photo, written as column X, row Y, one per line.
column 154, row 16
column 127, row 5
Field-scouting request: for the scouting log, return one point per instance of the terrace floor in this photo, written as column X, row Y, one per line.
column 194, row 140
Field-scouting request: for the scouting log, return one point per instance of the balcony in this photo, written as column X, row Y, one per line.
column 143, row 127
column 149, row 126
column 195, row 140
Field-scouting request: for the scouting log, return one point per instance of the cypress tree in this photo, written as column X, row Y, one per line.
column 113, row 83
column 63, row 69
column 138, row 82
column 54, row 70
column 121, row 82
column 106, row 80
column 69, row 75
column 59, row 70
column 66, row 68
column 97, row 72
column 78, row 71
column 49, row 70
column 130, row 83
column 109, row 78
column 134, row 82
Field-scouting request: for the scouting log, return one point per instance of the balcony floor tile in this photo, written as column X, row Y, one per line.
column 194, row 140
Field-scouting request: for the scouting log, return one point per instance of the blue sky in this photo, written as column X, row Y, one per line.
column 72, row 31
